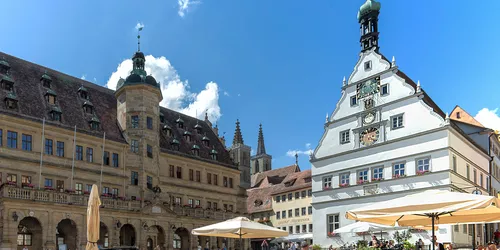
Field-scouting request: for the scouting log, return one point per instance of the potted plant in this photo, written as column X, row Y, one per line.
column 359, row 182
column 327, row 188
column 396, row 176
column 86, row 192
column 377, row 179
column 49, row 188
column 331, row 234
column 27, row 185
column 343, row 185
column 12, row 183
column 422, row 172
column 70, row 191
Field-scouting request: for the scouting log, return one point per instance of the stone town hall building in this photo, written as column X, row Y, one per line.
column 161, row 173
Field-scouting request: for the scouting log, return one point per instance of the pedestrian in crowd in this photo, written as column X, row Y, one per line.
column 25, row 248
column 439, row 246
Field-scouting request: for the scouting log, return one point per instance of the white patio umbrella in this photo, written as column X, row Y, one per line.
column 93, row 219
column 239, row 227
column 430, row 208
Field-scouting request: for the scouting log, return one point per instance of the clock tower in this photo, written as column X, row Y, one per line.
column 368, row 20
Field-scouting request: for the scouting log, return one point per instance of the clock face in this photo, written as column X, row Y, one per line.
column 369, row 136
column 368, row 88
column 369, row 118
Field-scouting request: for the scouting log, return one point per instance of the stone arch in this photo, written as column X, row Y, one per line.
column 181, row 239
column 103, row 235
column 29, row 233
column 158, row 236
column 127, row 235
column 67, row 234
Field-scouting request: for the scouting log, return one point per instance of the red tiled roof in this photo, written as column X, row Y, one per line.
column 300, row 180
column 274, row 176
column 262, row 194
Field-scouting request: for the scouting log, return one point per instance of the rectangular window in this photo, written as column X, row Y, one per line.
column 378, row 173
column 115, row 160
column 354, row 100
column 230, row 208
column 290, row 229
column 78, row 188
column 215, row 205
column 114, row 192
column 278, row 199
column 455, row 228
column 60, row 185
column 384, row 89
column 105, row 158
column 79, row 153
column 327, row 182
column 310, row 210
column 197, row 203
column 283, row 198
column 60, row 149
column 397, row 121
column 362, row 176
column 297, row 195
column 88, row 188
column 216, row 180
column 290, row 197
column 11, row 139
column 135, row 121
column 454, row 163
column 488, row 183
column 333, row 222
column 198, row 176
column 172, row 170
column 12, row 178
column 278, row 215
column 134, row 178
column 24, row 239
column 310, row 228
column 303, row 194
column 297, row 212
column 48, row 183
column 134, row 146
column 283, row 214
column 209, row 204
column 25, row 179
column 481, row 184
column 179, row 173
column 344, row 137
column 105, row 190
column 149, row 182
column 224, row 181
column 475, row 176
column 230, row 182
column 149, row 122
column 345, row 179
column 191, row 175
column 209, row 178
column 27, row 141
column 303, row 211
column 1, row 137
column 190, row 202
column 368, row 65
column 48, row 146
column 423, row 165
column 290, row 213
column 304, row 228
column 309, row 193
column 149, row 150
column 399, row 170
column 90, row 155
column 297, row 229
column 467, row 168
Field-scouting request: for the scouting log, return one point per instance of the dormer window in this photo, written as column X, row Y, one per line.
column 11, row 101
column 162, row 118
column 94, row 123
column 213, row 154
column 206, row 141
column 83, row 93
column 195, row 150
column 46, row 80
column 4, row 67
column 175, row 144
column 50, row 96
column 56, row 113
column 7, row 83
column 197, row 127
column 187, row 136
column 458, row 115
column 88, row 107
column 180, row 122
column 168, row 130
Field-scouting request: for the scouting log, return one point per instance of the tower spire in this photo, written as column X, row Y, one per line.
column 238, row 138
column 139, row 39
column 296, row 159
column 368, row 20
column 261, row 148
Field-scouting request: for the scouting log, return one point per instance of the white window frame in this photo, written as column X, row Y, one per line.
column 327, row 182
column 399, row 165
column 402, row 116
column 382, row 89
column 367, row 66
column 335, row 224
column 355, row 98
column 344, row 179
column 345, row 136
column 362, row 176
column 418, row 165
column 378, row 173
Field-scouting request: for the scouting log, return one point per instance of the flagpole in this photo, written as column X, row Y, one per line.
column 41, row 155
column 102, row 163
column 73, row 163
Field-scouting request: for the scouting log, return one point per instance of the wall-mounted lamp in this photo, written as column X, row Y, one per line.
column 118, row 224
column 15, row 216
column 173, row 227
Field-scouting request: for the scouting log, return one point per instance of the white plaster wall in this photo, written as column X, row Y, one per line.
column 469, row 151
column 378, row 65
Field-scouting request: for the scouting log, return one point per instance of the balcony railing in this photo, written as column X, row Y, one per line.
column 13, row 192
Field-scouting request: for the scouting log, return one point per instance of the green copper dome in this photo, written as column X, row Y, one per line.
column 367, row 7
column 51, row 92
column 138, row 74
column 4, row 63
column 56, row 109
column 195, row 147
column 46, row 77
column 12, row 96
column 7, row 78
column 175, row 141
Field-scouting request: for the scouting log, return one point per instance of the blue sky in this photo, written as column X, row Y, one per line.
column 276, row 62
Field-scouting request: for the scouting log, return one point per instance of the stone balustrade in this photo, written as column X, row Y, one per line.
column 53, row 196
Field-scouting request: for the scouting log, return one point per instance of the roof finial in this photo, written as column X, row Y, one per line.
column 418, row 86
column 393, row 61
column 447, row 118
column 139, row 39
column 296, row 159
column 343, row 82
column 326, row 120
column 261, row 148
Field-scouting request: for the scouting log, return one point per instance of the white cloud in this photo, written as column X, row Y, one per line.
column 176, row 92
column 83, row 77
column 307, row 151
column 184, row 6
column 226, row 93
column 252, row 152
column 489, row 118
column 139, row 26
column 95, row 80
column 239, row 94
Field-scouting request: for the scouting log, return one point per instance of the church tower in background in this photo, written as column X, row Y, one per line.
column 240, row 153
column 261, row 162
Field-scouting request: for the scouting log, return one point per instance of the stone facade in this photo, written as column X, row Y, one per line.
column 160, row 173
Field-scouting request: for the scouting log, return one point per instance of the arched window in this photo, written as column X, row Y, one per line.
column 23, row 236
column 177, row 241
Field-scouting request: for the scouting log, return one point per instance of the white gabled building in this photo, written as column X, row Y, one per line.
column 386, row 139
